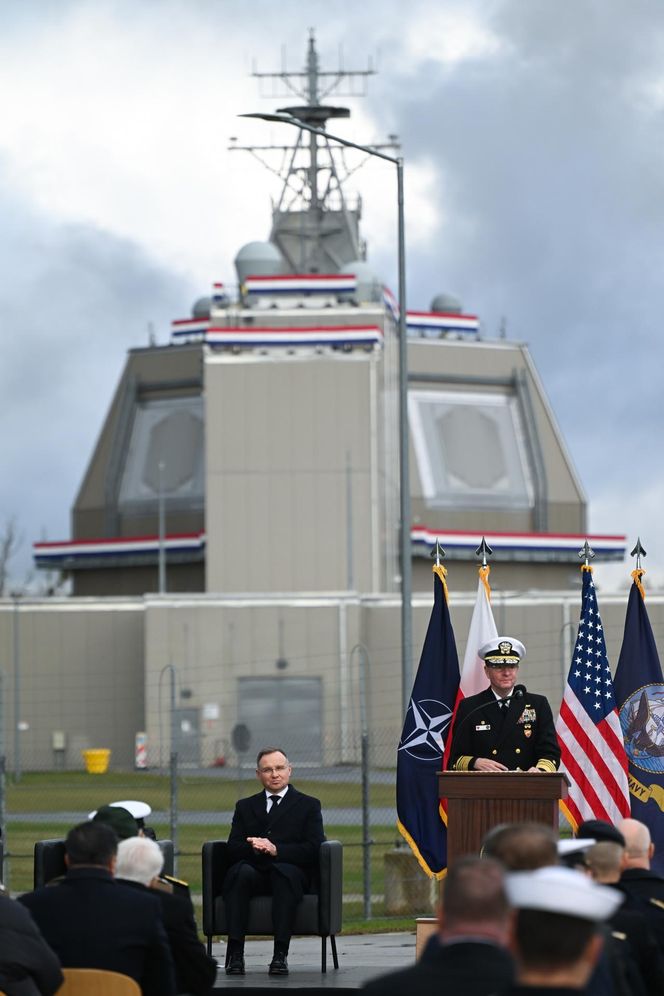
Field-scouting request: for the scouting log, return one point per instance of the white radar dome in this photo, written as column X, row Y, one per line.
column 259, row 259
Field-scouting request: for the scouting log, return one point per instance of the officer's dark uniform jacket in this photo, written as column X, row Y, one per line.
column 522, row 736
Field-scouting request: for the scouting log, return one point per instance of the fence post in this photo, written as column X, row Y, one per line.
column 366, row 838
column 366, row 812
column 174, row 809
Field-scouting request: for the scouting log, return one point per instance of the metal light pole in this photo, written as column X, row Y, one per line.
column 162, row 531
column 404, row 472
column 173, row 757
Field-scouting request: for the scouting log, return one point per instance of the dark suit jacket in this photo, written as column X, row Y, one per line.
column 195, row 970
column 464, row 968
column 525, row 737
column 27, row 965
column 295, row 827
column 637, row 953
column 645, row 893
column 91, row 921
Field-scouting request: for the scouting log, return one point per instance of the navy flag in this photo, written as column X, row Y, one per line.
column 639, row 691
column 421, row 817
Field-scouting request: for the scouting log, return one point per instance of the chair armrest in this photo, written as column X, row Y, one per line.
column 168, row 853
column 49, row 861
column 215, row 863
column 330, row 888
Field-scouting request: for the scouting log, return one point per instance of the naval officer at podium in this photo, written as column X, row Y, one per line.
column 505, row 727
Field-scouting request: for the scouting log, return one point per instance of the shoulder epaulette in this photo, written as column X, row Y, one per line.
column 176, row 881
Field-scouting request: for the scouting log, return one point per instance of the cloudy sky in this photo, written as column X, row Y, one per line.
column 532, row 133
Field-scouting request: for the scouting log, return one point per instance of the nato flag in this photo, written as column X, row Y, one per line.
column 421, row 820
column 639, row 691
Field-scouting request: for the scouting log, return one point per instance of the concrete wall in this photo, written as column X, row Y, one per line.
column 283, row 437
column 100, row 670
column 79, row 666
column 213, row 644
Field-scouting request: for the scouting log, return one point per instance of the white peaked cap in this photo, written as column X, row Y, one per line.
column 139, row 810
column 564, row 891
column 492, row 647
column 574, row 845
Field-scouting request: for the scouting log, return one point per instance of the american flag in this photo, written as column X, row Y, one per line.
column 588, row 727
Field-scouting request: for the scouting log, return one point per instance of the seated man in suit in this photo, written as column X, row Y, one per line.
column 505, row 727
column 139, row 865
column 92, row 921
column 273, row 849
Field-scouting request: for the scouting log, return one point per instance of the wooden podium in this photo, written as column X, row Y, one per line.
column 479, row 800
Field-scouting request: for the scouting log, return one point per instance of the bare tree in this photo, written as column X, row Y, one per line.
column 9, row 544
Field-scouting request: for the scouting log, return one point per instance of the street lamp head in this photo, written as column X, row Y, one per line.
column 286, row 118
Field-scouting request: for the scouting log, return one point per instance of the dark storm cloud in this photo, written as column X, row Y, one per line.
column 72, row 300
column 549, row 153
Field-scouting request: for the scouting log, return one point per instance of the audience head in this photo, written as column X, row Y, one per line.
column 521, row 846
column 600, row 830
column 135, row 807
column 639, row 848
column 555, row 937
column 139, row 860
column 91, row 843
column 572, row 851
column 473, row 900
column 604, row 861
column 118, row 819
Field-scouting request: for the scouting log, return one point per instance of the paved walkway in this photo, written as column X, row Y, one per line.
column 361, row 957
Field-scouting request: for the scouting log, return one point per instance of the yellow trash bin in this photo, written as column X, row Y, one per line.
column 96, row 761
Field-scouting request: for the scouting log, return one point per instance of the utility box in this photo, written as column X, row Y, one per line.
column 59, row 744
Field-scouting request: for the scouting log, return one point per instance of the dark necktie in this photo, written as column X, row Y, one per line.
column 276, row 799
column 504, row 706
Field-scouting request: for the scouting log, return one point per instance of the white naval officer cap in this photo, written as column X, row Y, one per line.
column 139, row 810
column 502, row 650
column 574, row 845
column 564, row 891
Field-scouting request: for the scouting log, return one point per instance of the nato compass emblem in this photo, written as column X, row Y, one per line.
column 424, row 729
column 642, row 721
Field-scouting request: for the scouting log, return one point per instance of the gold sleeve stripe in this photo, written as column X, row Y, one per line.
column 463, row 763
column 546, row 765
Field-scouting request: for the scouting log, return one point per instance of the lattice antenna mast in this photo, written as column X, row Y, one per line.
column 313, row 172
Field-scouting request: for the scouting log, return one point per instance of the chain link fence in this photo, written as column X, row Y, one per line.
column 191, row 805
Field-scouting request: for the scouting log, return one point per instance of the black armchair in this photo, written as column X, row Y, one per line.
column 319, row 913
column 49, row 860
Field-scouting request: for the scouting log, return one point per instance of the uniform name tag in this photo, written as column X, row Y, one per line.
column 481, row 727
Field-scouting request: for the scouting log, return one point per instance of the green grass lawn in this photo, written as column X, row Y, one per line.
column 78, row 791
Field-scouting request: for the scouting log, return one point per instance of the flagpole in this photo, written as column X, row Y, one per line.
column 638, row 552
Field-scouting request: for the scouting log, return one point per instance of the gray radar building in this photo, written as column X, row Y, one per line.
column 236, row 531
